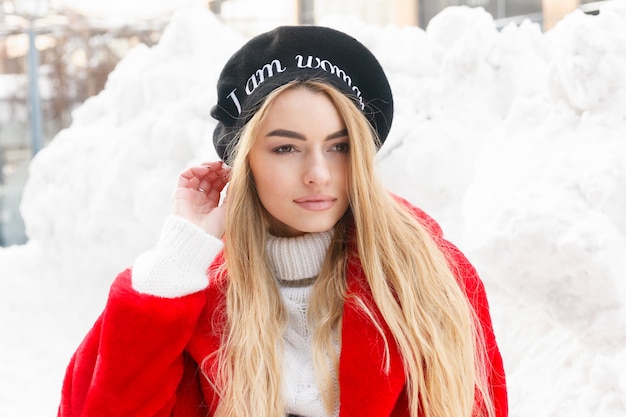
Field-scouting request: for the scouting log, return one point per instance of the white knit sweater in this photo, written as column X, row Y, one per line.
column 177, row 267
column 295, row 263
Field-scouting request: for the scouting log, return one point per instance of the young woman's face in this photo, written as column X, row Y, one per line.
column 299, row 162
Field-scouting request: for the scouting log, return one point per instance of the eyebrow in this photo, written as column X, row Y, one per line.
column 295, row 135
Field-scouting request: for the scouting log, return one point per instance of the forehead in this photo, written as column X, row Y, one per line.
column 298, row 104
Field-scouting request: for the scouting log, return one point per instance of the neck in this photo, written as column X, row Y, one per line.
column 297, row 258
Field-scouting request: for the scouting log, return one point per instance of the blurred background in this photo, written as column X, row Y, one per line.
column 54, row 55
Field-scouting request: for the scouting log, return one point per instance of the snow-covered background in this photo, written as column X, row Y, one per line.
column 515, row 140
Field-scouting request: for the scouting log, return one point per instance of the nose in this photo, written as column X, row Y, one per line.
column 317, row 170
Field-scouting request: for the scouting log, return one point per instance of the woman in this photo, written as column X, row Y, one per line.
column 328, row 297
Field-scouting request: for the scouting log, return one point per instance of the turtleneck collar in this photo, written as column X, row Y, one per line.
column 298, row 258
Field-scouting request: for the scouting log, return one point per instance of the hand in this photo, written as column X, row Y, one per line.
column 197, row 196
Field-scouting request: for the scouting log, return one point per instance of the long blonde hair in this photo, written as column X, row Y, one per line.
column 418, row 296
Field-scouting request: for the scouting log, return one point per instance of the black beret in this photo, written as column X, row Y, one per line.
column 290, row 53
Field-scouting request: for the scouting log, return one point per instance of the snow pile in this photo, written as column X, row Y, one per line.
column 546, row 222
column 514, row 140
column 107, row 180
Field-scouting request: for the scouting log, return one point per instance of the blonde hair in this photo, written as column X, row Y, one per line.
column 418, row 296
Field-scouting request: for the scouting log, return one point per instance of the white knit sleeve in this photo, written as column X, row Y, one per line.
column 178, row 265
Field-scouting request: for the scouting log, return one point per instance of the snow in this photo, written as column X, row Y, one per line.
column 515, row 141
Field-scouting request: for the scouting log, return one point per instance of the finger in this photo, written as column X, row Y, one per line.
column 213, row 194
column 202, row 168
column 214, row 179
column 213, row 164
column 191, row 177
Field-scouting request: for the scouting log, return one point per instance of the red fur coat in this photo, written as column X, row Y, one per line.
column 141, row 357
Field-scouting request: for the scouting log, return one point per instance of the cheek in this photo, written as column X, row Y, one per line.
column 268, row 167
column 266, row 186
column 341, row 172
column 270, row 181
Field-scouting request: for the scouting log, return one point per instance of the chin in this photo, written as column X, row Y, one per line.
column 318, row 228
column 284, row 229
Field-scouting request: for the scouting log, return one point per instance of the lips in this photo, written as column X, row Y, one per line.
column 316, row 202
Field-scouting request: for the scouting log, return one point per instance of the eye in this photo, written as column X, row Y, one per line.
column 284, row 149
column 342, row 147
